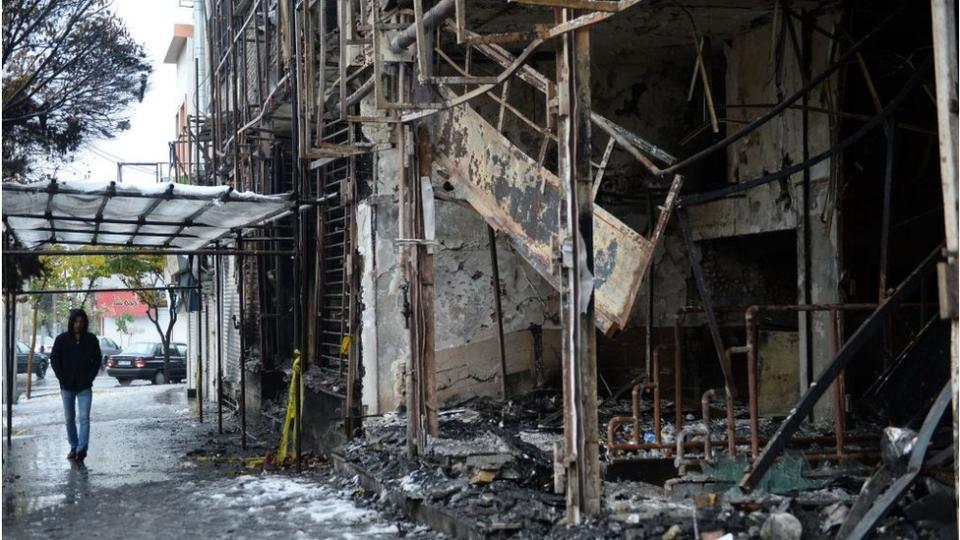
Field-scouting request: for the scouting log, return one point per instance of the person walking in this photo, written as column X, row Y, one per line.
column 75, row 357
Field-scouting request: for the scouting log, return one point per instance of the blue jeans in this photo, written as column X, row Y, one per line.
column 72, row 398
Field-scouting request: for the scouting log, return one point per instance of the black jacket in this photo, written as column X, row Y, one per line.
column 76, row 361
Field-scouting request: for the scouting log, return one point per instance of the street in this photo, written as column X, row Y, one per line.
column 142, row 477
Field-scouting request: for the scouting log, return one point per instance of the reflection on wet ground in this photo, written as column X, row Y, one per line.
column 138, row 481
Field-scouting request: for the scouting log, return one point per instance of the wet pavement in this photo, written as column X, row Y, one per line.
column 140, row 480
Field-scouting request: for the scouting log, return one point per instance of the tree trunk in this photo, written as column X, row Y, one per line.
column 166, row 359
column 164, row 339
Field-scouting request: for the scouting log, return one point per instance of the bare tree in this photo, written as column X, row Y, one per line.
column 147, row 271
column 70, row 69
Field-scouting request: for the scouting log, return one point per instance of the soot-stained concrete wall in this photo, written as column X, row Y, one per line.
column 464, row 301
column 750, row 80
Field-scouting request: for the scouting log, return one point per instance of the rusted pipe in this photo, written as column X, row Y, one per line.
column 752, row 396
column 752, row 380
column 678, row 370
column 657, row 427
column 838, row 405
column 796, row 442
column 635, row 419
column 705, row 411
column 750, row 318
column 431, row 18
column 618, row 421
column 731, row 425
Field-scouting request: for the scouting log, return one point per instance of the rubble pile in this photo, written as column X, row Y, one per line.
column 493, row 467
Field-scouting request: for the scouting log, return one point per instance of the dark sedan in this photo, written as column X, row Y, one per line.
column 40, row 360
column 145, row 361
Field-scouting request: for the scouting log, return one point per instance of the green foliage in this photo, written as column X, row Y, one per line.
column 81, row 272
column 70, row 69
column 139, row 272
column 123, row 323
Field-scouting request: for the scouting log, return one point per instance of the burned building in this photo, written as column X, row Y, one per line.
column 615, row 239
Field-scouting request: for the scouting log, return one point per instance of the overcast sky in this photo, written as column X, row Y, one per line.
column 152, row 121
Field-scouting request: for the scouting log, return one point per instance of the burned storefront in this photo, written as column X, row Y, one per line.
column 651, row 266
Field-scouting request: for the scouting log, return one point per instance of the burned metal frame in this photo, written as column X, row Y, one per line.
column 52, row 188
column 813, row 393
column 217, row 252
column 895, row 491
column 314, row 112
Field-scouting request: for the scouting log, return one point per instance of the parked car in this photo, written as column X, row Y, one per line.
column 144, row 360
column 40, row 360
column 108, row 348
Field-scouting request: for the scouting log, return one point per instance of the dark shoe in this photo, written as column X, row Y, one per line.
column 81, row 455
column 73, row 454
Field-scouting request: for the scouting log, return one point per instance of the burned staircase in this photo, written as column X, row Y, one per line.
column 517, row 196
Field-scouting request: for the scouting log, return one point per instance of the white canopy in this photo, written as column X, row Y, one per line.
column 165, row 215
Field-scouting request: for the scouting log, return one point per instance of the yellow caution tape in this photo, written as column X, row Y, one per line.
column 289, row 423
column 345, row 345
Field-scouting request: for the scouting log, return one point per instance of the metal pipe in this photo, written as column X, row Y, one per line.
column 119, row 289
column 218, row 263
column 11, row 374
column 243, row 346
column 797, row 442
column 431, row 18
column 886, row 201
column 166, row 195
column 731, row 425
column 296, row 180
column 498, row 311
column 678, row 370
column 832, row 369
column 657, row 428
column 752, row 397
column 168, row 252
column 200, row 312
column 705, row 412
column 751, row 323
column 838, row 405
column 752, row 382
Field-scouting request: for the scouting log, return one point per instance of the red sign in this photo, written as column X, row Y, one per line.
column 115, row 304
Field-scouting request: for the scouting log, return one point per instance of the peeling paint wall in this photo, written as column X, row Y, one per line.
column 464, row 303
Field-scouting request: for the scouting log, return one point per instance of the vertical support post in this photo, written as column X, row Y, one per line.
column 581, row 445
column 678, row 372
column 243, row 343
column 648, row 331
column 196, row 123
column 944, row 25
column 11, row 373
column 293, row 66
column 412, row 380
column 200, row 312
column 423, row 309
column 498, row 311
column 838, row 400
column 219, row 283
column 887, row 200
